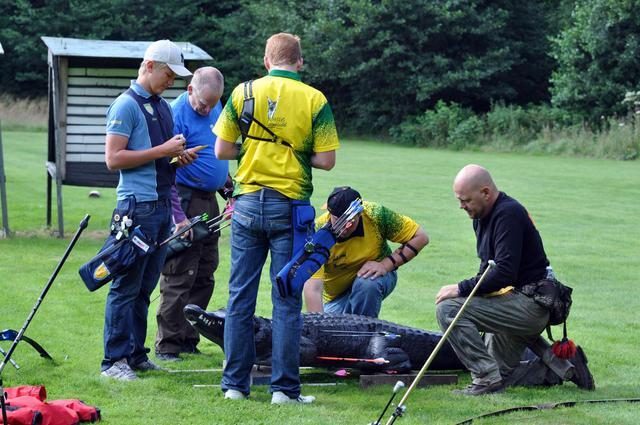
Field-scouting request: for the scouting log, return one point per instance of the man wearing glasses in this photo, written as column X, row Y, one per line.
column 188, row 277
column 361, row 270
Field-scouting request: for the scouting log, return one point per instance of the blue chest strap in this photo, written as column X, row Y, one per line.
column 160, row 126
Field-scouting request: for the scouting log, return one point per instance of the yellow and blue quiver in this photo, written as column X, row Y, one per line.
column 115, row 258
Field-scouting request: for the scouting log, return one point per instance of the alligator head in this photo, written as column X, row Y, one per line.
column 208, row 324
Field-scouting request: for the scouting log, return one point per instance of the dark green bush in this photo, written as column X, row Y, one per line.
column 467, row 133
column 523, row 125
column 452, row 126
column 446, row 126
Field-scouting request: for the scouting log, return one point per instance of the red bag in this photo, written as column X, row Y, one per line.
column 85, row 412
column 51, row 413
column 22, row 416
column 36, row 391
column 28, row 407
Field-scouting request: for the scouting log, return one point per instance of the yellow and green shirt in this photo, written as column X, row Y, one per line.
column 298, row 114
column 380, row 225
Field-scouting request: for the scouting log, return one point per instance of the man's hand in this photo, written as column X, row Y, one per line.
column 174, row 146
column 313, row 295
column 372, row 269
column 179, row 226
column 447, row 291
column 186, row 157
column 226, row 191
column 228, row 209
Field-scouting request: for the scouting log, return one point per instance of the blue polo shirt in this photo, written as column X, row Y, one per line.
column 206, row 173
column 125, row 117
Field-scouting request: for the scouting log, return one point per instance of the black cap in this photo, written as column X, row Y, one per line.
column 340, row 199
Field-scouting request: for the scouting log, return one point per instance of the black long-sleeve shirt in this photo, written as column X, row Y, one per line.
column 508, row 236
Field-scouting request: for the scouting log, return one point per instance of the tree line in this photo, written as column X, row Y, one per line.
column 381, row 63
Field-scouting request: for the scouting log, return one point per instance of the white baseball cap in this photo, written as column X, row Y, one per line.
column 167, row 52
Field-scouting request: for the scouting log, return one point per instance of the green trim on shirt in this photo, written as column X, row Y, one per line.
column 285, row 74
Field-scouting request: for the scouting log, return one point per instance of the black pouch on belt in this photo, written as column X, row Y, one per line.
column 553, row 295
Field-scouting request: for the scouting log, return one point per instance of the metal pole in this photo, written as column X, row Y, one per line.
column 401, row 408
column 49, row 192
column 59, row 164
column 396, row 388
column 3, row 193
column 16, row 365
column 51, row 141
column 2, row 405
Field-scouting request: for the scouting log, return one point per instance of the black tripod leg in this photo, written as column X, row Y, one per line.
column 11, row 335
column 37, row 347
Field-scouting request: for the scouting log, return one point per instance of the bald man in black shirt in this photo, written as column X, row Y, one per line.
column 512, row 321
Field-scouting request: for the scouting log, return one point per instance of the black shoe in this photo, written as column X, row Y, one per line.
column 475, row 389
column 582, row 377
column 168, row 357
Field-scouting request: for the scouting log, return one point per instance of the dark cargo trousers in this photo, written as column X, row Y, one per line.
column 511, row 323
column 187, row 279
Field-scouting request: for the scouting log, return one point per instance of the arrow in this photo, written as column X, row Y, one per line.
column 379, row 360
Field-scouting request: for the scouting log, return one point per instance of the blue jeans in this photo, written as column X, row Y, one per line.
column 364, row 297
column 127, row 306
column 261, row 223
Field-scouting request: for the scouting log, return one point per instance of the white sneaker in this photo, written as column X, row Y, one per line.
column 279, row 397
column 234, row 395
column 121, row 371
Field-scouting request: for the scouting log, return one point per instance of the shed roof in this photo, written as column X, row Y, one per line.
column 60, row 46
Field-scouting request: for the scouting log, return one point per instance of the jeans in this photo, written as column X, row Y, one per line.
column 261, row 223
column 364, row 297
column 127, row 305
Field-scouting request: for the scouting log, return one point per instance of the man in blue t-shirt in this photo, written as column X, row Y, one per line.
column 188, row 277
column 139, row 144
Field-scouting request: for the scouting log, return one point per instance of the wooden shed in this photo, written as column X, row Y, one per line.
column 85, row 76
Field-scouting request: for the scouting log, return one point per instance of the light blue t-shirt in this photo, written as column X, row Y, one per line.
column 206, row 173
column 125, row 118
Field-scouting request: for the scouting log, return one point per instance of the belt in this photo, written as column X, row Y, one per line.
column 266, row 192
column 499, row 292
column 157, row 202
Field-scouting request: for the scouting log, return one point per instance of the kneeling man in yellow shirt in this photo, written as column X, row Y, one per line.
column 361, row 270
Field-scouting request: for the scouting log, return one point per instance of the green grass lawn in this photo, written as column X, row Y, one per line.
column 586, row 210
